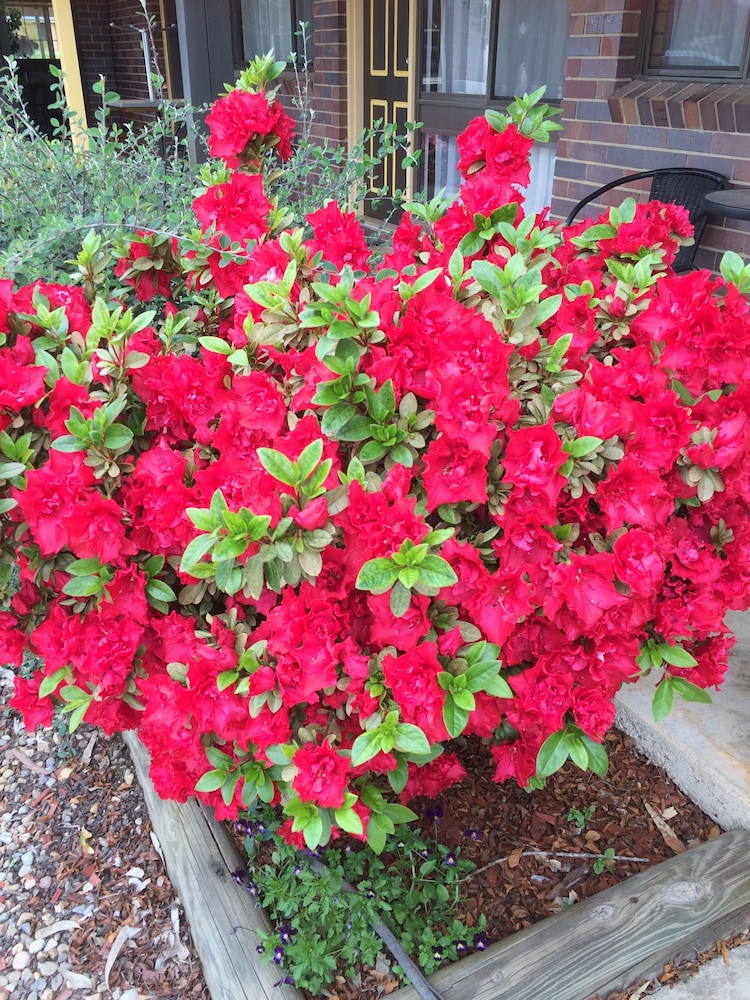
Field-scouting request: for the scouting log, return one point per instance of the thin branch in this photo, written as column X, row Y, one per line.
column 558, row 854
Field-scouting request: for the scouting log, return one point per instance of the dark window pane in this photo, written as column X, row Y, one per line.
column 529, row 55
column 455, row 46
column 266, row 25
column 698, row 34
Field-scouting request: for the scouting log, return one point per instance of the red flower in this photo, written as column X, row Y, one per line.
column 338, row 237
column 238, row 118
column 20, row 384
column 238, row 208
column 322, row 775
column 532, row 459
column 412, row 677
column 454, row 473
column 433, row 778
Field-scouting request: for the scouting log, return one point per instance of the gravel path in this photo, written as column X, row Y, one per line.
column 86, row 909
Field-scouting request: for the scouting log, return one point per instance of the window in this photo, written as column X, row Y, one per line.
column 479, row 53
column 32, row 28
column 276, row 24
column 696, row 38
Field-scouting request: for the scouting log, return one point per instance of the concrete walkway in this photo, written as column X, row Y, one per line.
column 705, row 749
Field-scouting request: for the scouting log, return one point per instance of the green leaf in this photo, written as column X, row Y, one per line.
column 313, row 832
column 211, row 781
column 215, row 345
column 598, row 760
column 464, row 700
column 195, row 551
column 399, row 814
column 489, row 276
column 310, row 457
column 552, row 754
column 454, row 716
column 278, row 465
column 77, row 714
column 336, row 418
column 68, row 443
column 225, row 679
column 49, row 683
column 377, row 575
column 377, row 834
column 348, row 820
column 398, row 777
column 160, row 591
column 436, row 572
column 118, row 436
column 498, row 687
column 366, row 746
column 203, row 519
column 578, row 753
column 400, row 599
column 83, row 567
column 9, row 470
column 229, row 548
column 663, row 700
column 689, row 691
column 581, row 446
column 410, row 739
column 83, row 586
column 676, row 655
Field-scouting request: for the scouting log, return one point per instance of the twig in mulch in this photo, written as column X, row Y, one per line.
column 556, row 854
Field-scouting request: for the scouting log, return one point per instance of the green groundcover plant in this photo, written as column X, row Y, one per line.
column 300, row 516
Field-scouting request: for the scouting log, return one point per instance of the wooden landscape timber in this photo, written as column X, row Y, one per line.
column 626, row 933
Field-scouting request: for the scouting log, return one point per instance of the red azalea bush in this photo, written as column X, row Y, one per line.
column 313, row 513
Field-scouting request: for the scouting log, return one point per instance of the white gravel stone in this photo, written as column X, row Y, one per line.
column 21, row 959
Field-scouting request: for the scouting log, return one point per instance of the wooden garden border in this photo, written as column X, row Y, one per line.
column 623, row 934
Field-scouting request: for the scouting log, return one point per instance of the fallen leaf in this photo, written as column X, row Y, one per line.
column 59, row 925
column 84, row 838
column 26, row 761
column 514, row 858
column 125, row 933
column 669, row 837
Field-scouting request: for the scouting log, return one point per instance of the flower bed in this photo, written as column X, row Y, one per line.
column 300, row 515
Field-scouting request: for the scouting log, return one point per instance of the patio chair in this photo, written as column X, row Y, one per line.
column 679, row 185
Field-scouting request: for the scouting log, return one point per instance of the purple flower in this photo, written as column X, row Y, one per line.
column 260, row 949
column 252, row 889
column 286, row 981
column 438, row 952
column 278, row 954
column 239, row 875
column 461, row 947
column 473, row 834
column 480, row 941
column 450, row 860
column 286, row 932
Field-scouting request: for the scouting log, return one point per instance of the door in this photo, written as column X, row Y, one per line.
column 386, row 34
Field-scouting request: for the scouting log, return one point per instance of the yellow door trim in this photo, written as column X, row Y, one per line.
column 66, row 40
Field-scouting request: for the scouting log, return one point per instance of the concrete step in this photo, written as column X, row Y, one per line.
column 705, row 749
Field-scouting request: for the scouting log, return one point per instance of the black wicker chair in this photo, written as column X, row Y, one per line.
column 679, row 185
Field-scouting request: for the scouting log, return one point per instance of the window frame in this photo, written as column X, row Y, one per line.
column 697, row 73
column 297, row 50
column 447, row 113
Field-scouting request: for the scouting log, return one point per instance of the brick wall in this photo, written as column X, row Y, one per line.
column 109, row 47
column 615, row 124
column 327, row 92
